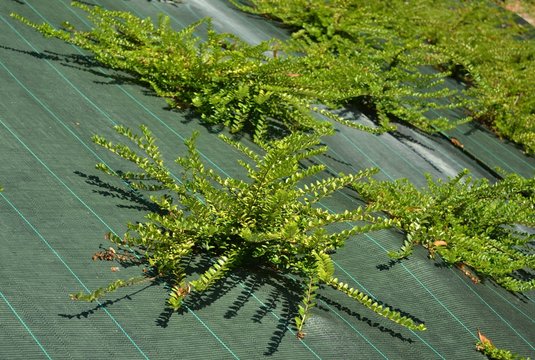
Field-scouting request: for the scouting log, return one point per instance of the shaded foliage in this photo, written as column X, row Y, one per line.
column 479, row 43
column 219, row 76
column 478, row 226
column 270, row 220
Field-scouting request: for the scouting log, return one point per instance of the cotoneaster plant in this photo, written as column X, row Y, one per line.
column 272, row 219
column 393, row 74
column 487, row 48
column 227, row 81
column 220, row 77
column 484, row 229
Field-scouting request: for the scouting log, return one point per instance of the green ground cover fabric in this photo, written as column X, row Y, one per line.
column 55, row 209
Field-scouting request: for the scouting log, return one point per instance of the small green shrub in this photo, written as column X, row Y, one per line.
column 470, row 223
column 392, row 72
column 227, row 81
column 476, row 41
column 270, row 220
column 222, row 78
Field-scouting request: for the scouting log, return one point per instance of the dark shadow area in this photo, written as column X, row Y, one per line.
column 106, row 303
column 364, row 319
column 287, row 312
column 107, row 190
column 19, row 2
column 477, row 126
column 44, row 55
column 423, row 158
column 87, row 3
column 364, row 106
column 335, row 159
column 189, row 115
column 474, row 127
column 517, row 295
column 199, row 300
column 406, row 138
column 389, row 265
column 313, row 162
column 169, row 2
column 442, row 265
column 284, row 296
column 350, row 192
column 89, row 64
column 249, row 284
column 86, row 63
column 165, row 317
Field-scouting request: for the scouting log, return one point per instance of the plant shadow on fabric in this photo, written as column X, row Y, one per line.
column 272, row 221
column 283, row 295
column 106, row 189
column 87, row 63
column 107, row 303
column 253, row 283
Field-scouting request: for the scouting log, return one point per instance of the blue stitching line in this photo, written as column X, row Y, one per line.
column 385, row 144
column 427, row 289
column 151, row 112
column 91, row 210
column 278, row 318
column 368, row 341
column 485, row 149
column 510, row 303
column 350, row 325
column 499, row 159
column 375, row 164
column 47, row 109
column 355, row 329
column 494, row 311
column 102, row 112
column 355, row 280
column 55, row 176
column 366, row 156
column 102, row 72
column 54, row 251
column 24, row 324
column 71, row 271
column 504, row 147
column 458, row 131
column 418, row 280
column 211, row 332
column 113, row 122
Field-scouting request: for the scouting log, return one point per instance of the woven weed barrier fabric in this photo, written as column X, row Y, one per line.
column 56, row 208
